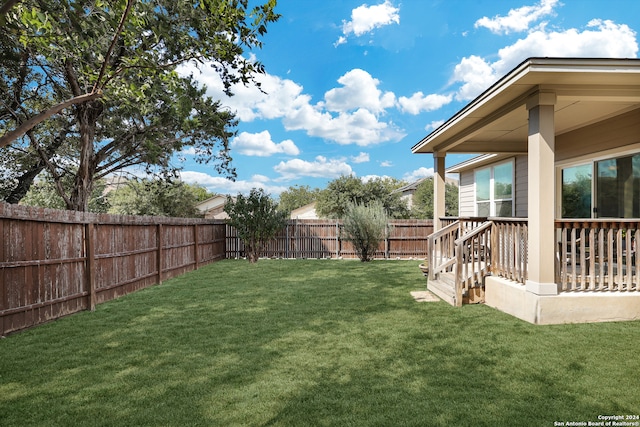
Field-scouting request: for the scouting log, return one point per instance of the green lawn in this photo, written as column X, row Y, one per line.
column 316, row 342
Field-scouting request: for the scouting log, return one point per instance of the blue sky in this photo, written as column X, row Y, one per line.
column 352, row 86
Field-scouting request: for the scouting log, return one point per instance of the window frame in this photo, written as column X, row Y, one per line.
column 492, row 199
column 592, row 160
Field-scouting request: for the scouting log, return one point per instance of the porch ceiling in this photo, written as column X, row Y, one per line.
column 587, row 91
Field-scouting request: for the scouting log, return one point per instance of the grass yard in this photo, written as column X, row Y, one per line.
column 312, row 343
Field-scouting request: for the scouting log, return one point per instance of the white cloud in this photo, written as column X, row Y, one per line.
column 386, row 164
column 360, row 158
column 434, row 125
column 260, row 178
column 419, row 102
column 248, row 102
column 517, row 19
column 320, row 168
column 418, row 174
column 599, row 39
column 360, row 127
column 365, row 19
column 220, row 185
column 260, row 144
column 285, row 100
column 475, row 74
column 359, row 90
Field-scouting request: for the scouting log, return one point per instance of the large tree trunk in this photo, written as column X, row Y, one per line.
column 87, row 115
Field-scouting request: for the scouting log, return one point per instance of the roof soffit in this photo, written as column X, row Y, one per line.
column 498, row 119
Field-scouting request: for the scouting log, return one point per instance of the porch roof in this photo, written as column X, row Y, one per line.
column 587, row 91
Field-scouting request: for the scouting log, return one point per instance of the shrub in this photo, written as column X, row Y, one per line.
column 365, row 226
column 257, row 220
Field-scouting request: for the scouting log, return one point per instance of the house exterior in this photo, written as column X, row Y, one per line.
column 307, row 211
column 550, row 206
column 213, row 207
column 407, row 191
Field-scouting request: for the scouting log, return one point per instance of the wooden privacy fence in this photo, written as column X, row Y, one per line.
column 54, row 263
column 323, row 238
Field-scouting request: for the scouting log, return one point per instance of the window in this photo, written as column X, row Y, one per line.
column 613, row 193
column 494, row 190
column 618, row 187
column 576, row 191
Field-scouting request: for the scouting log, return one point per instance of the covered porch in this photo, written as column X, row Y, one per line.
column 476, row 260
column 529, row 255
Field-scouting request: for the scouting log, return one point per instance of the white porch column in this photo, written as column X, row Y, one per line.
column 541, row 275
column 438, row 190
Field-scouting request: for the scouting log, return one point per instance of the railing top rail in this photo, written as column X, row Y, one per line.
column 587, row 222
column 448, row 229
column 505, row 219
column 475, row 232
column 464, row 218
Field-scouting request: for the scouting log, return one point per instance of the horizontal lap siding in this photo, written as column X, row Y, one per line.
column 44, row 259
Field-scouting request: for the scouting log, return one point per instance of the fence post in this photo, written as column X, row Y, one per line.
column 337, row 240
column 159, row 240
column 386, row 241
column 195, row 242
column 90, row 264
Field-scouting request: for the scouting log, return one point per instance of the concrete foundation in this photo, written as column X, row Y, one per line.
column 566, row 307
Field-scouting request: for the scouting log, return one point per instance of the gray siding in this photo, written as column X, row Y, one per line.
column 466, row 205
column 609, row 134
column 522, row 180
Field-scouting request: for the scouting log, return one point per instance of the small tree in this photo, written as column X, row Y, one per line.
column 423, row 200
column 157, row 197
column 257, row 220
column 332, row 201
column 365, row 226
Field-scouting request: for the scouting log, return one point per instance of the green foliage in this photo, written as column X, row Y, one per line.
column 157, row 197
column 423, row 200
column 142, row 111
column 297, row 196
column 333, row 200
column 257, row 220
column 365, row 226
column 43, row 194
column 576, row 197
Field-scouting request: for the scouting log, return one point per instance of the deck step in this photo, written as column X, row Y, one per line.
column 444, row 287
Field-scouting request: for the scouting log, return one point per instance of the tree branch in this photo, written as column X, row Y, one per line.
column 9, row 137
column 8, row 4
column 116, row 35
column 45, row 159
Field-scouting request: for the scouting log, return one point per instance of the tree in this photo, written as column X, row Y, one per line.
column 43, row 194
column 365, row 226
column 257, row 220
column 157, row 197
column 423, row 200
column 333, row 201
column 297, row 196
column 109, row 66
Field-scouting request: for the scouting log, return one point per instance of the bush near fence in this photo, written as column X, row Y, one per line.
column 322, row 238
column 54, row 263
